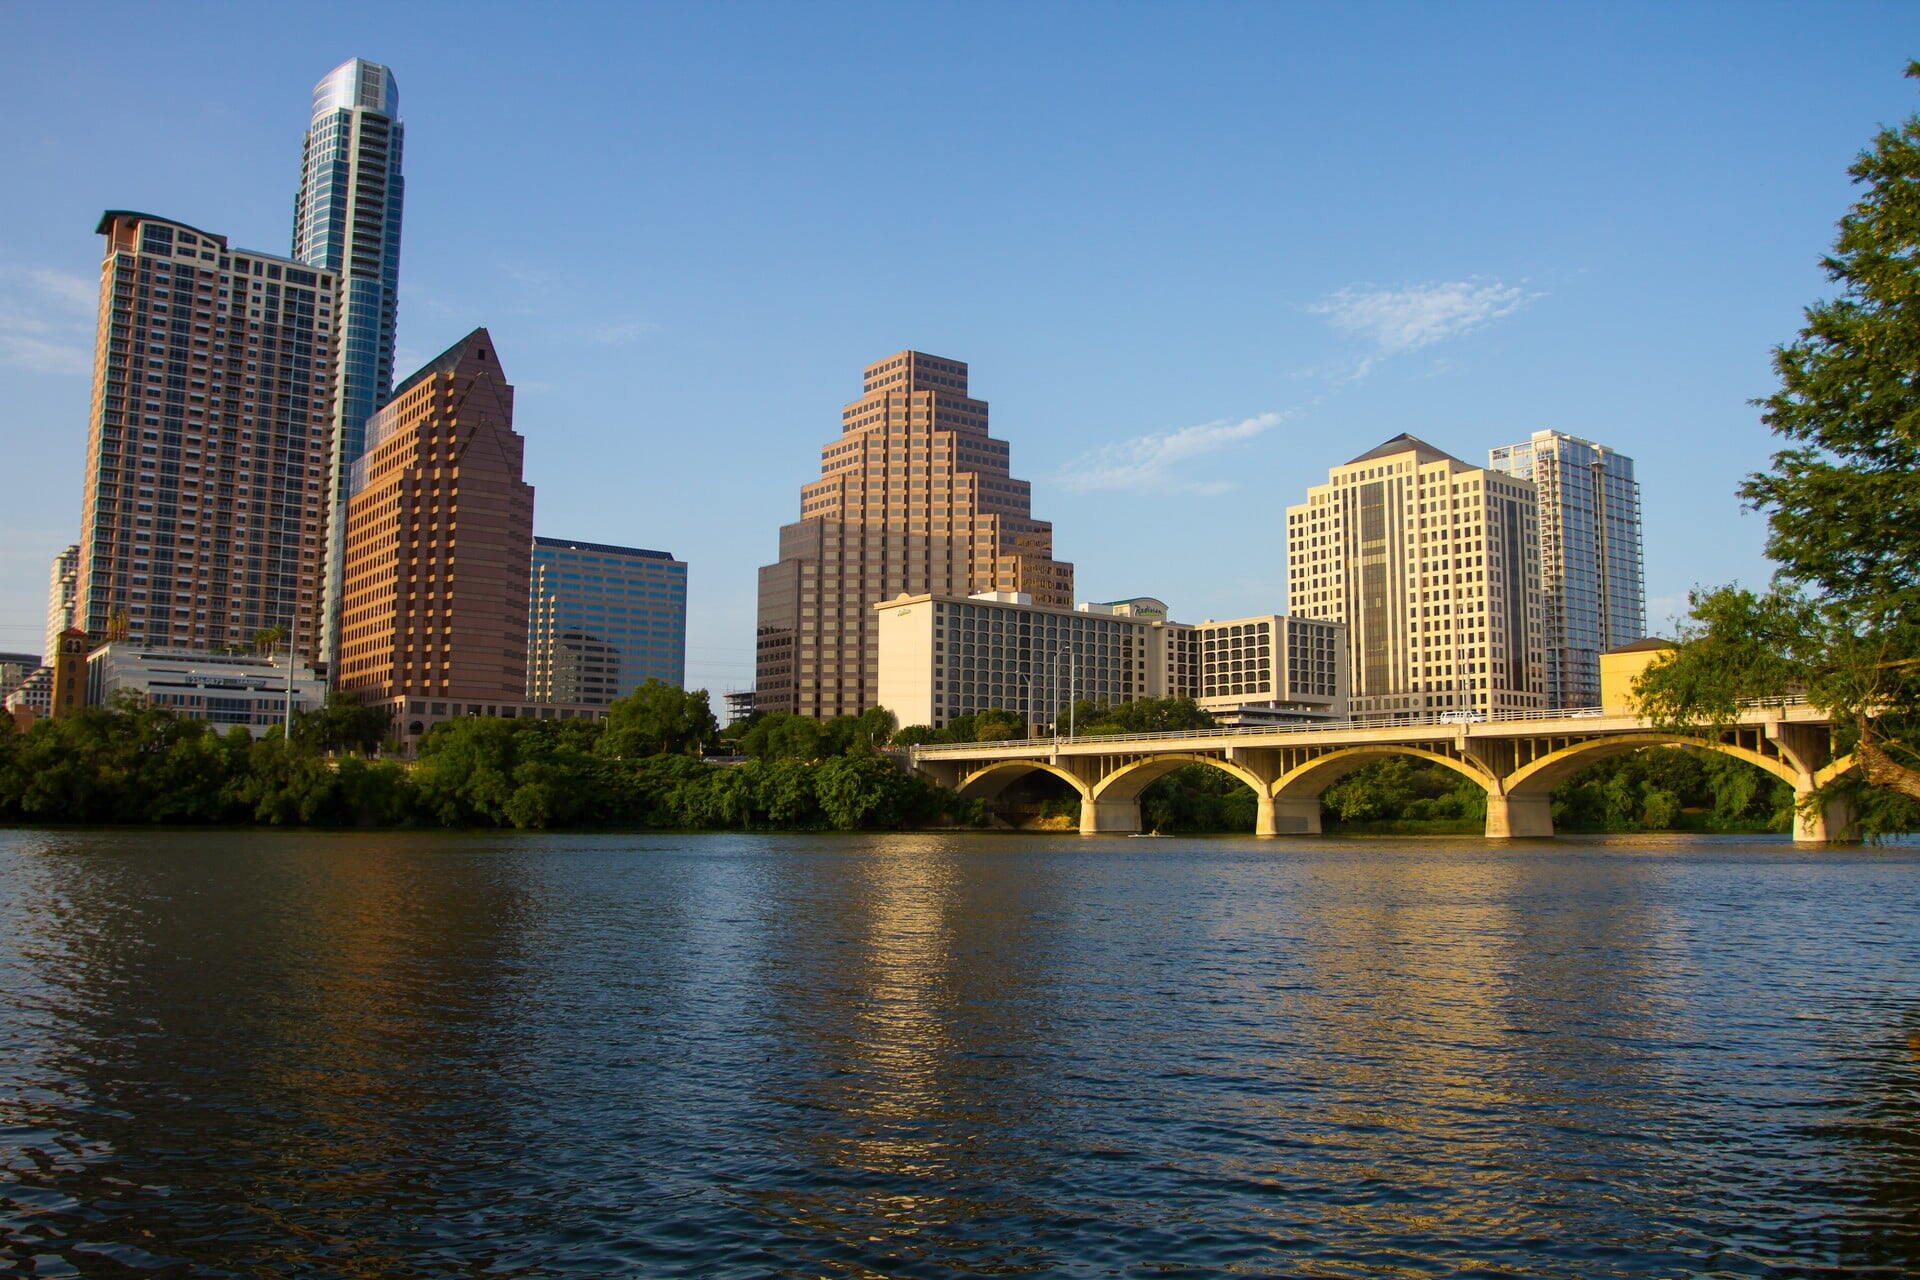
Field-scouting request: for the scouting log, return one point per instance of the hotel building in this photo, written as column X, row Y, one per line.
column 915, row 498
column 604, row 620
column 944, row 656
column 1433, row 564
column 1592, row 586
column 205, row 512
column 346, row 219
column 438, row 526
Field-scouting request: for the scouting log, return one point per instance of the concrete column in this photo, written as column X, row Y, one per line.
column 1292, row 816
column 1836, row 822
column 1519, row 817
column 1263, row 817
column 1109, row 816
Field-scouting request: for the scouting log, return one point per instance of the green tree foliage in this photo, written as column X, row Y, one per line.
column 781, row 735
column 1405, row 790
column 658, row 719
column 344, row 724
column 142, row 764
column 1841, row 622
column 1141, row 715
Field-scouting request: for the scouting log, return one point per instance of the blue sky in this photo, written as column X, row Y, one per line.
column 1195, row 253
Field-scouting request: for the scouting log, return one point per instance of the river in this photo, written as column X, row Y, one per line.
column 318, row 1055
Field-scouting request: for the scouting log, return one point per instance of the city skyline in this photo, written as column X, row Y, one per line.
column 1469, row 326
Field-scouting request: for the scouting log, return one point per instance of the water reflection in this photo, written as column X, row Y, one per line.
column 292, row 1055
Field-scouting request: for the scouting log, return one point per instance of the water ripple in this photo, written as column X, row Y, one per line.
column 296, row 1055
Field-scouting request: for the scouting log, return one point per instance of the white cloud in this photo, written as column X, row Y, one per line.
column 46, row 320
column 622, row 332
column 1397, row 320
column 1147, row 462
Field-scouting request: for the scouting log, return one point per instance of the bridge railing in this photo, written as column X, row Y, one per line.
column 1441, row 719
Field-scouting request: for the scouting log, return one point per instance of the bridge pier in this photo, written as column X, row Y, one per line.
column 1835, row 822
column 1289, row 816
column 1511, row 817
column 1110, row 817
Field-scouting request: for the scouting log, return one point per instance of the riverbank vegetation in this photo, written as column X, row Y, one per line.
column 638, row 768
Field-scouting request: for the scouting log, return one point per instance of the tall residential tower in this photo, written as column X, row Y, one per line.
column 913, row 498
column 1593, row 592
column 1433, row 564
column 205, row 513
column 346, row 218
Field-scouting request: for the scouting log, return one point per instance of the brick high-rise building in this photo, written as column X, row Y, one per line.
column 205, row 515
column 1434, row 566
column 914, row 497
column 438, row 530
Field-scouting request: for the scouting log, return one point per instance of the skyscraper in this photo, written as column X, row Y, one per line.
column 1433, row 564
column 438, row 526
column 1592, row 585
column 205, row 515
column 603, row 621
column 914, row 497
column 346, row 218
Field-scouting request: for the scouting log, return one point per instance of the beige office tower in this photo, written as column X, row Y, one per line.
column 913, row 498
column 1433, row 564
column 205, row 515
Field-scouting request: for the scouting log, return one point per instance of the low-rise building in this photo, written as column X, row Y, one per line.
column 946, row 656
column 221, row 688
column 15, row 668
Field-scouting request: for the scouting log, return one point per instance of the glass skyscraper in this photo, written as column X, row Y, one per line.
column 346, row 218
column 1592, row 584
column 603, row 620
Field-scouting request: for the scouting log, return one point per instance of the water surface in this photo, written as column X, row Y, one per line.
column 308, row 1055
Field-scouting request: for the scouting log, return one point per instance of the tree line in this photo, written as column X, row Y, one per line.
column 640, row 767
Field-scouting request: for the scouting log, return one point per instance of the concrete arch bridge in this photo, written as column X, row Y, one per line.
column 1518, row 761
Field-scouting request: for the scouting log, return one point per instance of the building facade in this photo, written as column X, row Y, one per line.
column 223, row 689
column 945, row 656
column 1433, row 565
column 346, row 219
column 434, row 603
column 1592, row 581
column 205, row 513
column 915, row 497
column 603, row 620
column 63, row 596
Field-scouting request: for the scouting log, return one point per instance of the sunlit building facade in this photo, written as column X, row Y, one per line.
column 438, row 527
column 1592, row 579
column 204, row 517
column 915, row 497
column 946, row 656
column 1433, row 565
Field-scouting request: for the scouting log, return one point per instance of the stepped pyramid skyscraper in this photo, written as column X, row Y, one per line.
column 346, row 219
column 914, row 497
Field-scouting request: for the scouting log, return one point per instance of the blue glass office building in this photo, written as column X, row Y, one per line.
column 346, row 218
column 603, row 620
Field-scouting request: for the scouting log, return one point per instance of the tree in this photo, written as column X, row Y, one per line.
column 658, row 719
column 344, row 724
column 1841, row 621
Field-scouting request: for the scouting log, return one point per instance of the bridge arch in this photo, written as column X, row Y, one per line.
column 990, row 780
column 1541, row 776
column 1306, row 781
column 1128, row 781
